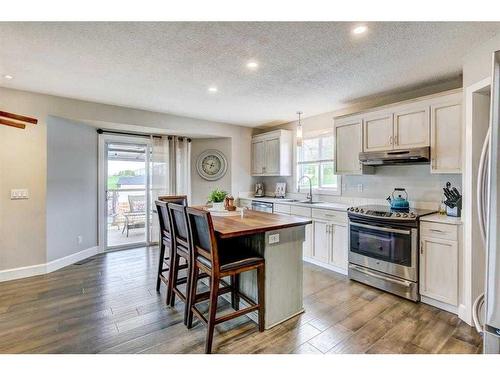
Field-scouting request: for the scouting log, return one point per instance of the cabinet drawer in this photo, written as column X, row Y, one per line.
column 330, row 215
column 300, row 211
column 281, row 208
column 438, row 230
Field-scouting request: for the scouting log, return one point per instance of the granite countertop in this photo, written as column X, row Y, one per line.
column 443, row 219
column 293, row 202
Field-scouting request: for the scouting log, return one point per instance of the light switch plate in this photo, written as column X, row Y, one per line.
column 274, row 238
column 19, row 194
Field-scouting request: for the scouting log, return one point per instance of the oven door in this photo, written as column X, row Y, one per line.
column 392, row 250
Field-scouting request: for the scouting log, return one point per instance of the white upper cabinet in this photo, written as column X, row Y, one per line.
column 411, row 127
column 446, row 135
column 435, row 121
column 349, row 143
column 272, row 153
column 258, row 152
column 378, row 131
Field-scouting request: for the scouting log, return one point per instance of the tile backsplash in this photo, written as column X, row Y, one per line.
column 424, row 189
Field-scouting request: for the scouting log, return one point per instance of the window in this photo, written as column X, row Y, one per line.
column 315, row 159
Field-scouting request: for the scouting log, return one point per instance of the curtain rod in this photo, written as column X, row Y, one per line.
column 102, row 131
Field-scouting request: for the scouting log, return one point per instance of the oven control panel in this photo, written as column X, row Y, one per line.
column 404, row 215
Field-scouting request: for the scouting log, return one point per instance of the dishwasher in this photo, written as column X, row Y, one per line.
column 262, row 206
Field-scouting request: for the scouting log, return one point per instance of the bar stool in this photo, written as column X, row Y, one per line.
column 181, row 249
column 231, row 262
column 165, row 240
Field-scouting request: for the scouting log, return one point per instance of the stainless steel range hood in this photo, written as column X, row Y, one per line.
column 419, row 155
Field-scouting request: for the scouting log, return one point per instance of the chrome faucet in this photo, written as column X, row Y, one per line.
column 309, row 196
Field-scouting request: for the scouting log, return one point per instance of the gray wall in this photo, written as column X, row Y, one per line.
column 200, row 188
column 71, row 187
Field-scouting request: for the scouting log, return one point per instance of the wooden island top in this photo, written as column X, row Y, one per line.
column 254, row 222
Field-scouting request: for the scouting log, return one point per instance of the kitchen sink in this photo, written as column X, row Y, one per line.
column 309, row 202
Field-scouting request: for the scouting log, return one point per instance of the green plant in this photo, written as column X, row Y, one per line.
column 217, row 196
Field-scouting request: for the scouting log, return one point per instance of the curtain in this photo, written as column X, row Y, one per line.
column 159, row 165
column 170, row 171
column 183, row 166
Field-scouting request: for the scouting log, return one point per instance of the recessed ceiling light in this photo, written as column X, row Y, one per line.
column 212, row 89
column 359, row 29
column 252, row 65
column 7, row 76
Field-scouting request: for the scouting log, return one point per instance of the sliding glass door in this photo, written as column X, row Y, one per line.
column 127, row 208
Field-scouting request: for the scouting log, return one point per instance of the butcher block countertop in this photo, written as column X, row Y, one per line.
column 254, row 222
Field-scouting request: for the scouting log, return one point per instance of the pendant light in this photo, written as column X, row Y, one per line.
column 299, row 131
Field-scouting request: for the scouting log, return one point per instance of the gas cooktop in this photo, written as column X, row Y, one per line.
column 384, row 212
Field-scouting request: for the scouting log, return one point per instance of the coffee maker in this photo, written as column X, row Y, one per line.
column 259, row 189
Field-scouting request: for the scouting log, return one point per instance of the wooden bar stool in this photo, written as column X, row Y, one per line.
column 181, row 249
column 231, row 262
column 165, row 241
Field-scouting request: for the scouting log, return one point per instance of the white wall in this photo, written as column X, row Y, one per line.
column 71, row 187
column 23, row 161
column 200, row 187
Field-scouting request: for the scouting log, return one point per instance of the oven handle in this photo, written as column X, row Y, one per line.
column 390, row 230
column 385, row 278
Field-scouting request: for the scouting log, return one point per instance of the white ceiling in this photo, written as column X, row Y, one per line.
column 167, row 67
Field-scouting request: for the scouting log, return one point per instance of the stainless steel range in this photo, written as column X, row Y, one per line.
column 383, row 248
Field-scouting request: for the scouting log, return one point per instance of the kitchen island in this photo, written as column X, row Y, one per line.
column 278, row 238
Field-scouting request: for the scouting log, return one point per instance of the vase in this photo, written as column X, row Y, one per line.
column 218, row 206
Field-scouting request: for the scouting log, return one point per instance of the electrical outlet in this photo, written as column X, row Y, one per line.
column 274, row 238
column 19, row 194
column 360, row 188
column 79, row 239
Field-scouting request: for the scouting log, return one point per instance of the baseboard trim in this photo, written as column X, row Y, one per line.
column 56, row 264
column 440, row 305
column 325, row 265
column 44, row 268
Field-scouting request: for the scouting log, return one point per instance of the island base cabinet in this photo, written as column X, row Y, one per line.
column 439, row 270
column 283, row 274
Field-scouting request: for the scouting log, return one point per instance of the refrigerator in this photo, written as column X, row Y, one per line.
column 486, row 309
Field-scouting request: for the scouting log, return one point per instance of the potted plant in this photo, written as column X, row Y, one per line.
column 217, row 198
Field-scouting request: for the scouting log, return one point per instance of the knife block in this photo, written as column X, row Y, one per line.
column 454, row 212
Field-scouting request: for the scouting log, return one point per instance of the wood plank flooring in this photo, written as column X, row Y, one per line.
column 109, row 304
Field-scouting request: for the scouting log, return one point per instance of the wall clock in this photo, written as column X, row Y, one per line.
column 211, row 165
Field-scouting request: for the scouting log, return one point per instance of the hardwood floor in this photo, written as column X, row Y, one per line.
column 108, row 304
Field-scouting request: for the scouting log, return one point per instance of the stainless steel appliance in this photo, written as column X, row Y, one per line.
column 489, row 212
column 259, row 190
column 262, row 206
column 383, row 248
column 410, row 156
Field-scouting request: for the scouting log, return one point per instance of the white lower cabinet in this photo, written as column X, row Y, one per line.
column 321, row 241
column 330, row 244
column 338, row 252
column 439, row 258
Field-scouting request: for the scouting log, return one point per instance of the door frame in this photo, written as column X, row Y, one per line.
column 102, row 221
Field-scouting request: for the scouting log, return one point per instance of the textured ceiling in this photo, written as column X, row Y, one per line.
column 167, row 67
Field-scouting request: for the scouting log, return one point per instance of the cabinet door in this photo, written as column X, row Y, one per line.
column 321, row 241
column 349, row 143
column 338, row 253
column 446, row 138
column 439, row 270
column 378, row 132
column 307, row 246
column 258, row 157
column 272, row 152
column 411, row 128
